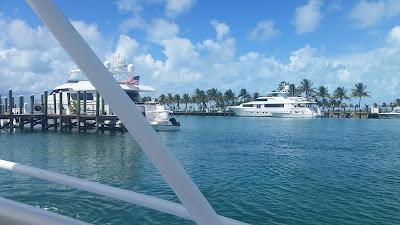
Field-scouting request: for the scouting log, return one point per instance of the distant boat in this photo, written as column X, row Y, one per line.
column 391, row 115
column 278, row 104
column 155, row 113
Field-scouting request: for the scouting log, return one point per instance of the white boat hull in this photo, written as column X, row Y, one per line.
column 159, row 127
column 282, row 114
column 294, row 115
column 389, row 115
column 250, row 113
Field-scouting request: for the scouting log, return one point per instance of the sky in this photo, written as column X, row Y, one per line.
column 179, row 45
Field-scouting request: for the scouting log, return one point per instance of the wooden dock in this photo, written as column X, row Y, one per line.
column 13, row 117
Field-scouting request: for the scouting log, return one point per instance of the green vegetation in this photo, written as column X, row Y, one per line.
column 214, row 99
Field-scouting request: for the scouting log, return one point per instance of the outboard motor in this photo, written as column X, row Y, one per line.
column 174, row 122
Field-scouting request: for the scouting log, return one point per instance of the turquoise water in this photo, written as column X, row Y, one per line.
column 258, row 170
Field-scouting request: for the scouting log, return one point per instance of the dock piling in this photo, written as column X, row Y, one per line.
column 60, row 108
column 44, row 121
column 1, row 105
column 10, row 97
column 97, row 110
column 78, row 111
column 21, row 108
column 32, row 107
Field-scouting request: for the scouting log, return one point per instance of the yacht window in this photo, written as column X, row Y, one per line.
column 58, row 90
column 261, row 100
column 258, row 106
column 247, row 105
column 73, row 96
column 89, row 96
column 274, row 105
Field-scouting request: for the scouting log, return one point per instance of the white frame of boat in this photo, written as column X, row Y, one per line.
column 196, row 205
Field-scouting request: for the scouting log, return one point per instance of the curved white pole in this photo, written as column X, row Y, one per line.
column 174, row 174
column 109, row 191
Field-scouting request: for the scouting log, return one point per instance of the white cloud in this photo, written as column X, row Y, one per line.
column 127, row 48
column 186, row 65
column 306, row 18
column 264, row 30
column 160, row 29
column 220, row 28
column 394, row 35
column 369, row 13
column 174, row 8
column 31, row 60
column 131, row 6
column 100, row 45
column 335, row 5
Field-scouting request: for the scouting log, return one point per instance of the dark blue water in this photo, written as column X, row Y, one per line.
column 258, row 170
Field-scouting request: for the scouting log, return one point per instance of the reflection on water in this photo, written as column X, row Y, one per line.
column 259, row 170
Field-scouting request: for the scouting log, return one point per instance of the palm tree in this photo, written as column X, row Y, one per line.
column 244, row 95
column 177, row 99
column 211, row 96
column 396, row 102
column 359, row 92
column 169, row 100
column 220, row 101
column 185, row 99
column 292, row 90
column 229, row 97
column 200, row 98
column 323, row 93
column 306, row 87
column 256, row 95
column 162, row 99
column 340, row 93
column 384, row 106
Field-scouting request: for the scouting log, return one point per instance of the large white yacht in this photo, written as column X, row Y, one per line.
column 278, row 104
column 391, row 115
column 155, row 113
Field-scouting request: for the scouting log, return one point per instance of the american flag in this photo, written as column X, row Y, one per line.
column 132, row 81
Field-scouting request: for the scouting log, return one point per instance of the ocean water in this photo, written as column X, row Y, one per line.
column 258, row 170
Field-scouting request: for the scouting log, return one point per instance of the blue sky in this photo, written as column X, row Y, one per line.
column 180, row 45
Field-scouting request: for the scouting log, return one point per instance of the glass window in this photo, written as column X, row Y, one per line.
column 247, row 105
column 274, row 105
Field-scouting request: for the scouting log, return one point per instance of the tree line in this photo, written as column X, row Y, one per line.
column 214, row 99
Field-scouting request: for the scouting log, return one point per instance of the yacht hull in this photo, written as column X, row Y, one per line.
column 250, row 113
column 159, row 127
column 389, row 115
column 293, row 115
